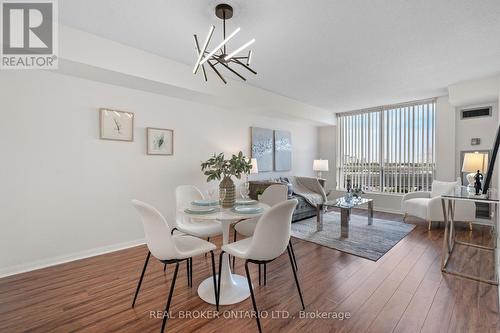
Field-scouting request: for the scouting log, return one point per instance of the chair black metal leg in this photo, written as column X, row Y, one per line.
column 188, row 273
column 164, row 267
column 213, row 274
column 172, row 285
column 217, row 299
column 260, row 283
column 142, row 276
column 265, row 274
column 293, row 255
column 191, row 271
column 253, row 297
column 234, row 240
column 208, row 240
column 295, row 276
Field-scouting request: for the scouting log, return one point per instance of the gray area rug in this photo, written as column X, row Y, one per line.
column 366, row 241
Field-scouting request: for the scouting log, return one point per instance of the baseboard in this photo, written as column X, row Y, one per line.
column 17, row 269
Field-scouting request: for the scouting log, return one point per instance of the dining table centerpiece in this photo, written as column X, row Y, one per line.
column 219, row 168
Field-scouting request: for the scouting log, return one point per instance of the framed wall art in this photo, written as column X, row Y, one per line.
column 116, row 125
column 282, row 151
column 262, row 147
column 160, row 141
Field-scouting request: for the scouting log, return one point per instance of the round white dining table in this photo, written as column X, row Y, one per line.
column 234, row 288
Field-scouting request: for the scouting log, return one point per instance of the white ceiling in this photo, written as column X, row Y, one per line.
column 336, row 54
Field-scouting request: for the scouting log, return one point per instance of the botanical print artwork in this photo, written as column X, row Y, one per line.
column 262, row 148
column 116, row 125
column 282, row 151
column 160, row 141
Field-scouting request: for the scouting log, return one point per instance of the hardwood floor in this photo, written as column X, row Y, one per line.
column 403, row 292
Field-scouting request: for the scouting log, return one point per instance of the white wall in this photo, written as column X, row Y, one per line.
column 66, row 194
column 484, row 128
column 445, row 140
column 327, row 150
column 471, row 92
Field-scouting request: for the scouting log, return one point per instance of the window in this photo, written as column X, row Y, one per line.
column 387, row 149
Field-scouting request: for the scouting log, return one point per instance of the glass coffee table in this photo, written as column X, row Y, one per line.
column 345, row 212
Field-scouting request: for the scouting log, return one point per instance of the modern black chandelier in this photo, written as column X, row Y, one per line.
column 220, row 55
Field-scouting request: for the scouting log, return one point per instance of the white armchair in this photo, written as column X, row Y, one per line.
column 427, row 205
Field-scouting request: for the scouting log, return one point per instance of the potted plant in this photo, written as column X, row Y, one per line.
column 217, row 168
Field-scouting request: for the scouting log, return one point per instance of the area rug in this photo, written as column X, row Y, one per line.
column 366, row 241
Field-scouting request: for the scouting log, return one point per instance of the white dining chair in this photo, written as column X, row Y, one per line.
column 168, row 248
column 184, row 196
column 271, row 196
column 270, row 239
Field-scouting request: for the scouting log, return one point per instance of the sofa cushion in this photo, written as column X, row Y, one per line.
column 440, row 188
column 417, row 207
column 303, row 210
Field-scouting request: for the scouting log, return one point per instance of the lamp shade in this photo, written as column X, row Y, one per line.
column 255, row 168
column 474, row 162
column 320, row 165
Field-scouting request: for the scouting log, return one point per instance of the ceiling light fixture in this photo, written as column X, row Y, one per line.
column 219, row 55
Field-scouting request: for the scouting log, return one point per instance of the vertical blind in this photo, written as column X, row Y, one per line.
column 387, row 149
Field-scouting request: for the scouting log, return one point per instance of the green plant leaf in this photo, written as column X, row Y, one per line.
column 217, row 166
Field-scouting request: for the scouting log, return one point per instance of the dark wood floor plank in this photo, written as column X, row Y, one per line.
column 390, row 315
column 386, row 274
column 415, row 314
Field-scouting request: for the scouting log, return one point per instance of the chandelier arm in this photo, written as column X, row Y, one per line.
column 238, row 50
column 204, row 72
column 249, row 57
column 224, row 28
column 227, row 39
column 217, row 72
column 205, row 45
column 242, row 64
column 234, row 72
column 198, row 49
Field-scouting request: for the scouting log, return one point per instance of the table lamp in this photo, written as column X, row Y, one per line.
column 320, row 166
column 255, row 168
column 475, row 163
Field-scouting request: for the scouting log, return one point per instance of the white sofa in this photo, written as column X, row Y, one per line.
column 427, row 205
